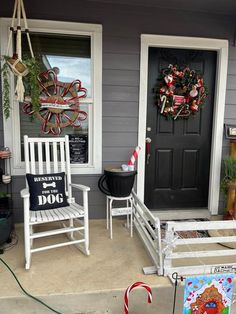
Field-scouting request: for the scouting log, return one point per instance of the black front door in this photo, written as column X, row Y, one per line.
column 177, row 174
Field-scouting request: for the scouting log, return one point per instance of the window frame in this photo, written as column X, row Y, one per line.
column 11, row 126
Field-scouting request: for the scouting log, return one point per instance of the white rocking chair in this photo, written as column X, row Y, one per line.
column 57, row 159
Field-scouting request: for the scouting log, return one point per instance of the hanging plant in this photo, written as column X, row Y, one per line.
column 30, row 81
column 6, row 89
column 180, row 93
column 32, row 87
column 26, row 71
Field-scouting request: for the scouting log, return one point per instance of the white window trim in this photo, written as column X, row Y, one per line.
column 221, row 47
column 12, row 124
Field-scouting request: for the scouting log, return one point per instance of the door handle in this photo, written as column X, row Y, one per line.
column 148, row 149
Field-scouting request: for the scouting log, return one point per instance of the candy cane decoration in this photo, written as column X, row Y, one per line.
column 126, row 296
column 134, row 156
column 163, row 101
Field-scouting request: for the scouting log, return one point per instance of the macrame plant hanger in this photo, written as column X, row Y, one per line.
column 15, row 62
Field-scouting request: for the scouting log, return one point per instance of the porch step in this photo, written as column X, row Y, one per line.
column 96, row 312
column 101, row 302
column 180, row 213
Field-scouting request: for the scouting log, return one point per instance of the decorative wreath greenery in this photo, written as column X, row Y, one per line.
column 180, row 93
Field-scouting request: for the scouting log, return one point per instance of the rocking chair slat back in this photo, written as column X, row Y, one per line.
column 48, row 155
column 27, row 164
column 55, row 161
column 68, row 167
column 40, row 158
column 62, row 156
column 48, row 160
column 32, row 158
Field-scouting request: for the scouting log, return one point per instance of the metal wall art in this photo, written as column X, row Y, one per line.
column 59, row 103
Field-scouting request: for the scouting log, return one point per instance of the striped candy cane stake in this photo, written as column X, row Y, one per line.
column 134, row 156
column 126, row 297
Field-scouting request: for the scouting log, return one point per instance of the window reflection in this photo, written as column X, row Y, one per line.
column 71, row 57
column 70, row 69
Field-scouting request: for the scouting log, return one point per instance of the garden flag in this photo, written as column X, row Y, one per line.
column 208, row 294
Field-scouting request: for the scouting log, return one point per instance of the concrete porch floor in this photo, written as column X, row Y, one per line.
column 71, row 282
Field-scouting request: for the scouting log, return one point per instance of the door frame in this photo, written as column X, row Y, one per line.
column 221, row 47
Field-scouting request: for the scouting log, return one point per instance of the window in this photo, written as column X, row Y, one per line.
column 73, row 51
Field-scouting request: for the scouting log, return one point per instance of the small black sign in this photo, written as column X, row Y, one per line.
column 78, row 148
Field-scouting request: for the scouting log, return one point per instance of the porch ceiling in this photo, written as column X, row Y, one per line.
column 224, row 7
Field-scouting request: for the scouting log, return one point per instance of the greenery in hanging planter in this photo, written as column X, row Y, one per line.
column 32, row 88
column 6, row 88
column 31, row 82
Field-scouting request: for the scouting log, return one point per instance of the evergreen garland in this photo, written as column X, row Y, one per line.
column 31, row 82
column 6, row 90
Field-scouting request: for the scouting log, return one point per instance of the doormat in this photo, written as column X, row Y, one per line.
column 183, row 234
column 224, row 233
column 187, row 234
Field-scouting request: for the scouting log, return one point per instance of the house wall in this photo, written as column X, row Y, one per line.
column 122, row 26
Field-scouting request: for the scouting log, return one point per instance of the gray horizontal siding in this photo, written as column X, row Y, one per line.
column 126, row 109
column 230, row 97
column 120, row 45
column 120, row 93
column 117, row 153
column 230, row 111
column 121, row 77
column 232, row 66
column 122, row 27
column 117, row 61
column 117, row 139
column 231, row 83
column 117, row 124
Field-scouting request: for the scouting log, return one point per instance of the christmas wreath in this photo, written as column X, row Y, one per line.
column 180, row 93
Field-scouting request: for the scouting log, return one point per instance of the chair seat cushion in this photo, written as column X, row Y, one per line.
column 47, row 191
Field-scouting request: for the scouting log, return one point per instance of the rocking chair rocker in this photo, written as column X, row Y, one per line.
column 57, row 162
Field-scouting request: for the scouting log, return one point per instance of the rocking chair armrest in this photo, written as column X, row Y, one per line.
column 25, row 193
column 81, row 187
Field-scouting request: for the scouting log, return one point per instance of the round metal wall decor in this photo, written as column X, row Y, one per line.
column 59, row 103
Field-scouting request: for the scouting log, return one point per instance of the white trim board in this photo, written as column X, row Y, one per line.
column 221, row 47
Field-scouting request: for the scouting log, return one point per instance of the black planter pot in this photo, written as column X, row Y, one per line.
column 6, row 222
column 4, row 203
column 117, row 183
